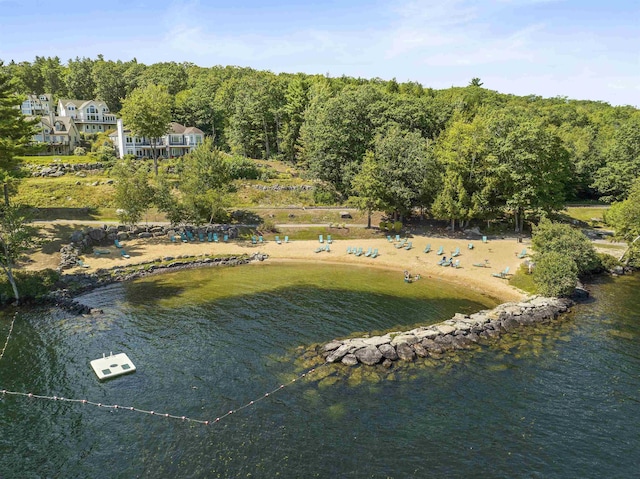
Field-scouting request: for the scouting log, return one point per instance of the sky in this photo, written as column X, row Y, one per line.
column 580, row 49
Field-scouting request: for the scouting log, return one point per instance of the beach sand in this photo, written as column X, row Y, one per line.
column 500, row 253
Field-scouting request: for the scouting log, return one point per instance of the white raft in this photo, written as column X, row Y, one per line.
column 113, row 365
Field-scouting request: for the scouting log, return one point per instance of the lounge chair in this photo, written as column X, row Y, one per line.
column 456, row 264
column 318, row 249
column 215, row 237
column 397, row 238
column 82, row 264
column 98, row 252
column 502, row 274
column 117, row 243
column 359, row 252
column 455, row 253
column 375, row 253
column 209, row 236
column 446, row 263
column 389, row 239
column 470, row 246
column 320, row 239
column 408, row 246
column 442, row 261
column 124, row 254
column 522, row 253
column 190, row 236
column 260, row 239
column 440, row 250
column 225, row 238
column 369, row 251
column 183, row 237
column 201, row 236
column 348, row 249
column 172, row 237
column 484, row 239
column 327, row 249
column 286, row 239
column 254, row 240
column 481, row 265
column 427, row 248
column 401, row 243
column 278, row 240
column 329, row 240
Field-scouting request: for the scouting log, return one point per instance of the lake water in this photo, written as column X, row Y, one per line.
column 554, row 402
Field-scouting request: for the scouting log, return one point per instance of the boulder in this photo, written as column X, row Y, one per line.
column 368, row 355
column 338, row 353
column 388, row 351
column 404, row 338
column 405, row 352
column 350, row 360
column 420, row 350
column 332, row 346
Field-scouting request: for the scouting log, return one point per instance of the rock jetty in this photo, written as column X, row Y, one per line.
column 459, row 332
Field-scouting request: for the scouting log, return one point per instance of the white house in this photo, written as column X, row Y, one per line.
column 91, row 116
column 179, row 141
column 58, row 133
column 37, row 105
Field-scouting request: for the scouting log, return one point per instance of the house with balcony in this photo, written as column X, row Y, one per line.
column 178, row 141
column 90, row 116
column 37, row 105
column 58, row 134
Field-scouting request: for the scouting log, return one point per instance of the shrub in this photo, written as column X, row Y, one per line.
column 242, row 168
column 607, row 261
column 269, row 226
column 31, row 284
column 325, row 195
column 397, row 226
column 79, row 151
column 555, row 274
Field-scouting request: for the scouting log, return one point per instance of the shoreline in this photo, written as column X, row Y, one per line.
column 500, row 253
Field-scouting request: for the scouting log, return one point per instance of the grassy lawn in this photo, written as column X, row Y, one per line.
column 523, row 280
column 586, row 213
column 67, row 191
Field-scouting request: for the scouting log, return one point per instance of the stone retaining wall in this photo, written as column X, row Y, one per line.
column 459, row 332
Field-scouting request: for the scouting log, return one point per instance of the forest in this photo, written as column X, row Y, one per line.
column 462, row 153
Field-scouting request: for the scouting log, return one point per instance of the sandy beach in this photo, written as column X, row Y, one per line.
column 497, row 254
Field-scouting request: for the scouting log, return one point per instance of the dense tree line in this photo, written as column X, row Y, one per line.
column 464, row 153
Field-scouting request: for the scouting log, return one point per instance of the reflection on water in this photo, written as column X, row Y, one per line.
column 554, row 401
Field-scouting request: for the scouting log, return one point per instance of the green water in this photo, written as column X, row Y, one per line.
column 561, row 401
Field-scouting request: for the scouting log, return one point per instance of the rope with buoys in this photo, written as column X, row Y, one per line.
column 6, row 392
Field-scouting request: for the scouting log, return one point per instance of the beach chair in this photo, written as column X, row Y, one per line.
column 470, row 246
column 427, row 248
column 320, row 239
column 455, row 253
column 375, row 253
column 124, row 254
column 369, row 251
column 201, row 236
column 278, row 240
column 359, row 251
column 183, row 237
column 484, row 239
column 98, row 252
column 215, row 237
column 172, row 237
column 190, row 236
column 442, row 261
column 225, row 238
column 389, row 239
column 397, row 237
column 327, row 249
column 329, row 240
column 440, row 250
column 522, row 253
column 349, row 250
column 318, row 249
column 456, row 264
column 408, row 246
column 254, row 240
column 117, row 243
column 260, row 239
column 81, row 263
column 286, row 239
column 446, row 262
column 481, row 265
column 502, row 274
column 401, row 243
column 209, row 236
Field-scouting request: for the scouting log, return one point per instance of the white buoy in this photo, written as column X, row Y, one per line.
column 112, row 366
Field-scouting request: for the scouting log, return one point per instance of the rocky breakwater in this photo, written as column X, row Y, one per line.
column 459, row 332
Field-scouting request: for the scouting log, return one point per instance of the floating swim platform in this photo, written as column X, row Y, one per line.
column 112, row 366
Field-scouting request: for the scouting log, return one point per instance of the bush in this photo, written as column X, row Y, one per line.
column 31, row 285
column 242, row 168
column 607, row 261
column 325, row 195
column 555, row 274
column 79, row 151
column 268, row 226
column 562, row 238
column 397, row 226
